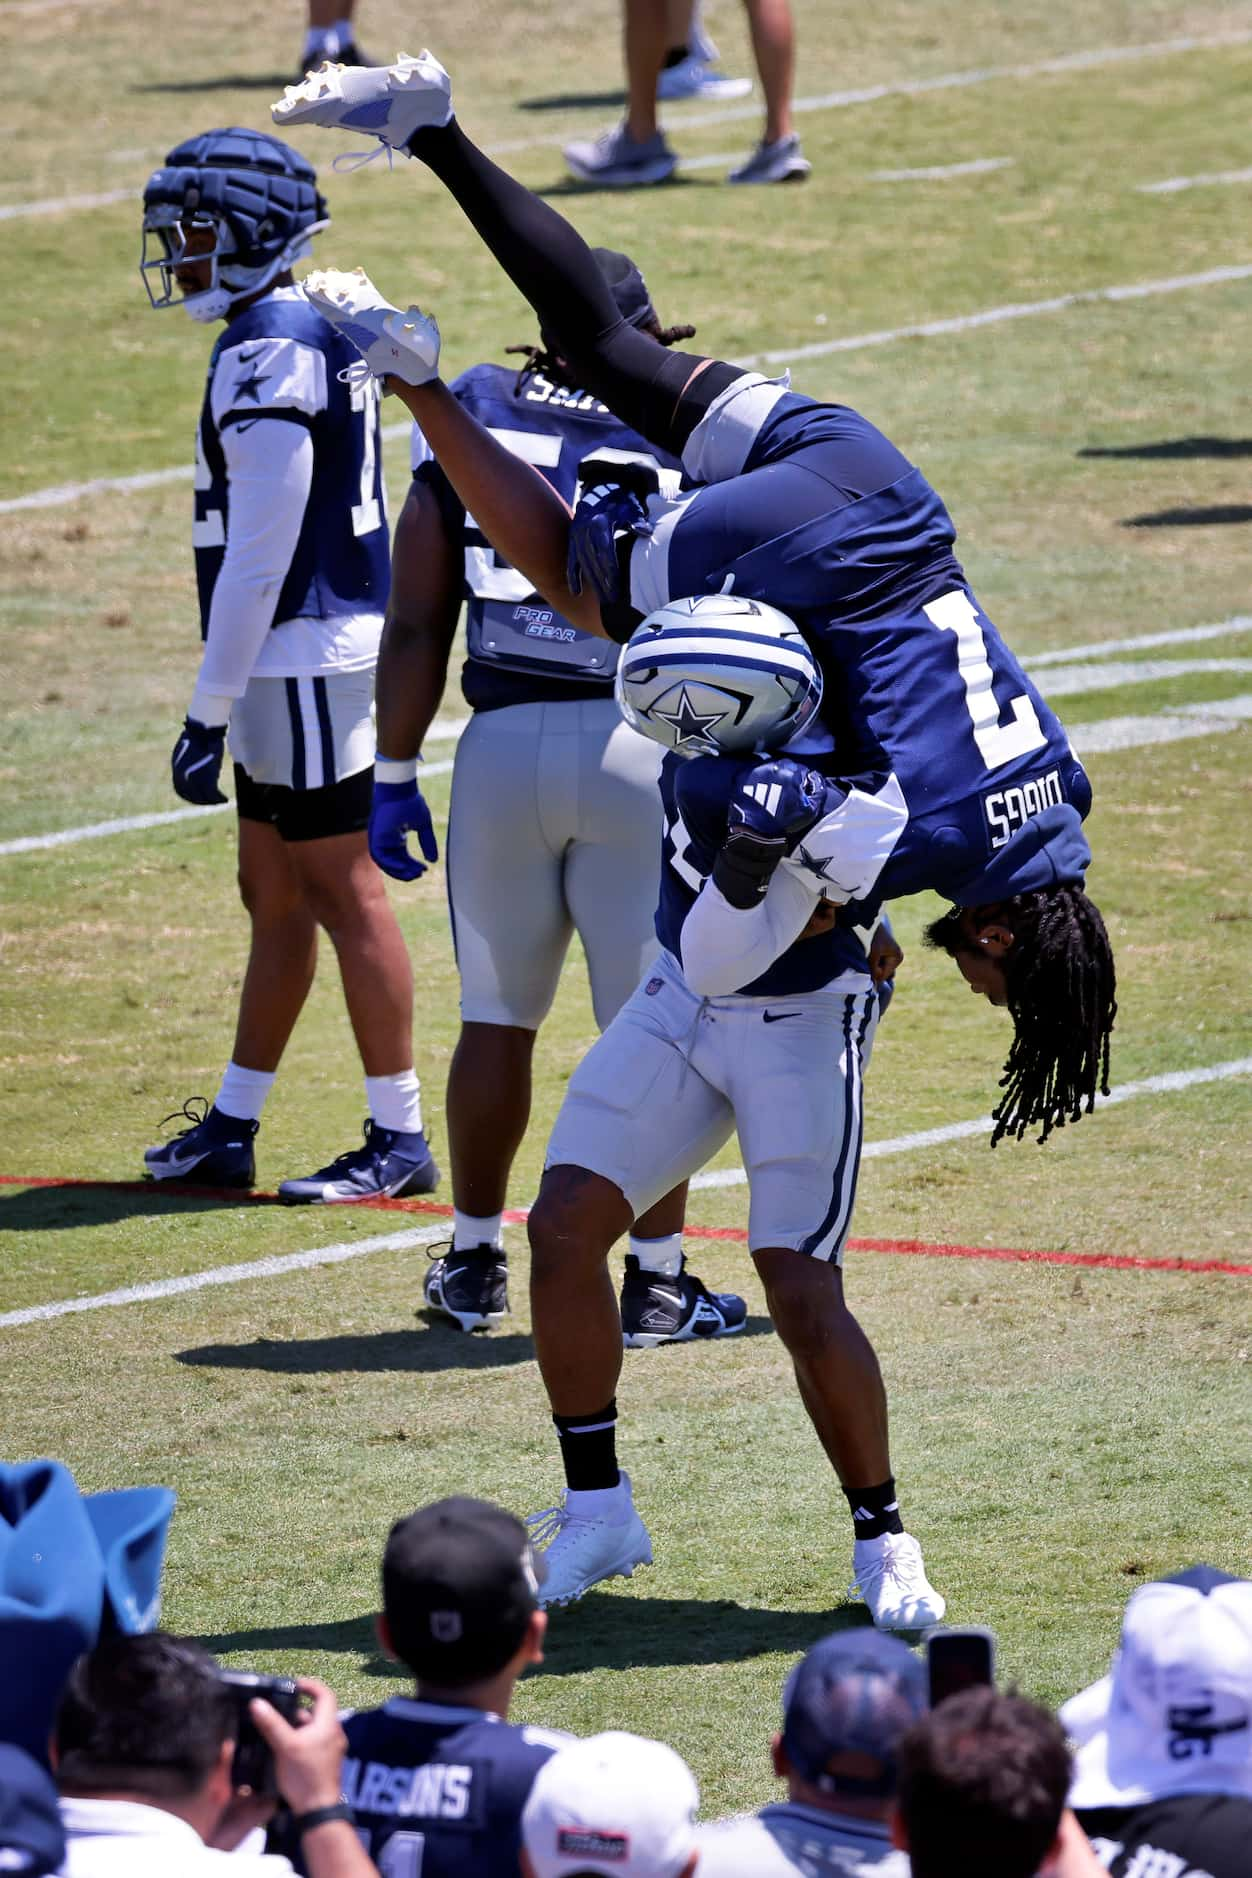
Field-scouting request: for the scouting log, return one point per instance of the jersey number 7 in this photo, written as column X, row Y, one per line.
column 998, row 743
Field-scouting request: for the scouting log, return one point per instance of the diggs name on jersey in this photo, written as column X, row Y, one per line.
column 1009, row 809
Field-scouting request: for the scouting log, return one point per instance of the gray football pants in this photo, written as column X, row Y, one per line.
column 554, row 828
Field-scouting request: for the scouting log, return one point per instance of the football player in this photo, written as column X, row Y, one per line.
column 811, row 508
column 761, row 1019
column 553, row 827
column 948, row 772
column 290, row 540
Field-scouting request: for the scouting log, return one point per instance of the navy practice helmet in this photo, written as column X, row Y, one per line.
column 260, row 199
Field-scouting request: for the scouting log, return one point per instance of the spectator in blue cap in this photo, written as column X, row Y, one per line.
column 72, row 1566
column 32, row 1843
column 846, row 1707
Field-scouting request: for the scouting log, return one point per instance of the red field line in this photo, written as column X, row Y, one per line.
column 909, row 1248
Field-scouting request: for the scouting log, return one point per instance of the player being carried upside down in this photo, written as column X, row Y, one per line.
column 934, row 764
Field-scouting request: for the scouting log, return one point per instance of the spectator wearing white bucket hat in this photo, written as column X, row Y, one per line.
column 1163, row 1763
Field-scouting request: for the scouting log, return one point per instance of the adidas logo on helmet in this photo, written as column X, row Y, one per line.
column 718, row 674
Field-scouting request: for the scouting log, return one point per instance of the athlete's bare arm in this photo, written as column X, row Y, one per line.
column 517, row 509
column 426, row 581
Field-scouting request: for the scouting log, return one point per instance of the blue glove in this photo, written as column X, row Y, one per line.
column 605, row 515
column 399, row 811
column 196, row 762
column 779, row 798
column 772, row 805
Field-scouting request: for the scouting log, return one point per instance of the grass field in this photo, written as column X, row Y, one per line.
column 1061, row 1430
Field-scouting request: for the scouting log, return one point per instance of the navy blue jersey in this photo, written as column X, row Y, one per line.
column 828, row 521
column 439, row 1790
column 280, row 359
column 695, row 798
column 520, row 650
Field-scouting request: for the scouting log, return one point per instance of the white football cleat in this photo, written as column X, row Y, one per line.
column 582, row 1550
column 890, row 1576
column 392, row 344
column 389, row 102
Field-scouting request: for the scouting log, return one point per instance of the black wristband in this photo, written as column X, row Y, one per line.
column 744, row 866
column 320, row 1816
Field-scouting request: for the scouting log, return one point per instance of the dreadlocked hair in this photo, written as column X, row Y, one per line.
column 1062, row 997
column 553, row 366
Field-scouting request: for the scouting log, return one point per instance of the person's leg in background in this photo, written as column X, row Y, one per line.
column 330, row 34
column 690, row 56
column 777, row 158
column 634, row 153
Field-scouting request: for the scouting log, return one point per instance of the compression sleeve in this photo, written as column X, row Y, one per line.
column 270, row 468
column 724, row 948
column 662, row 394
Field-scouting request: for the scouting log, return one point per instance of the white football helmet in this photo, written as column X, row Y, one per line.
column 718, row 674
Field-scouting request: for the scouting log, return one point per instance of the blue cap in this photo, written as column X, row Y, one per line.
column 31, row 1839
column 69, row 1564
column 845, row 1708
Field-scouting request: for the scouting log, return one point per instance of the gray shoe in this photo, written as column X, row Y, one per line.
column 779, row 162
column 617, row 161
column 692, row 78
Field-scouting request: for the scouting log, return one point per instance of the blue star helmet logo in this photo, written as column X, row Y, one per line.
column 692, row 728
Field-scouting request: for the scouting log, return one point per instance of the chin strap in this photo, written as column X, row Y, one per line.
column 213, row 304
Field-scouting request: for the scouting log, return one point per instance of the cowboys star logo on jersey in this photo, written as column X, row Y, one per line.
column 692, row 728
column 818, row 864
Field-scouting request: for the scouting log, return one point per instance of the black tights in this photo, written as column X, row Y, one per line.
column 646, row 385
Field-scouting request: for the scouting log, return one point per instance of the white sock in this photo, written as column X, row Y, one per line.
column 591, row 1502
column 315, row 42
column 243, row 1092
column 396, row 1101
column 663, row 1256
column 469, row 1231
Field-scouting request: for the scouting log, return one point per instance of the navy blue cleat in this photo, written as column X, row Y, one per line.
column 470, row 1287
column 656, row 1309
column 214, row 1151
column 386, row 1165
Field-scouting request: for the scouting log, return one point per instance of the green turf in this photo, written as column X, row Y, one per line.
column 1060, row 1432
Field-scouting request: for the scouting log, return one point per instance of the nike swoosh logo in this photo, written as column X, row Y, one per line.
column 248, row 426
column 246, row 357
column 777, row 1017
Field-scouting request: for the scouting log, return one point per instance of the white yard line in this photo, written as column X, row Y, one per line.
column 233, row 1274
column 60, row 493
column 940, row 172
column 1067, row 681
column 1141, row 642
column 1173, row 185
column 1173, row 1082
column 997, row 315
column 61, row 205
column 1069, row 62
column 1116, row 733
column 1169, row 726
column 130, row 824
column 57, row 494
